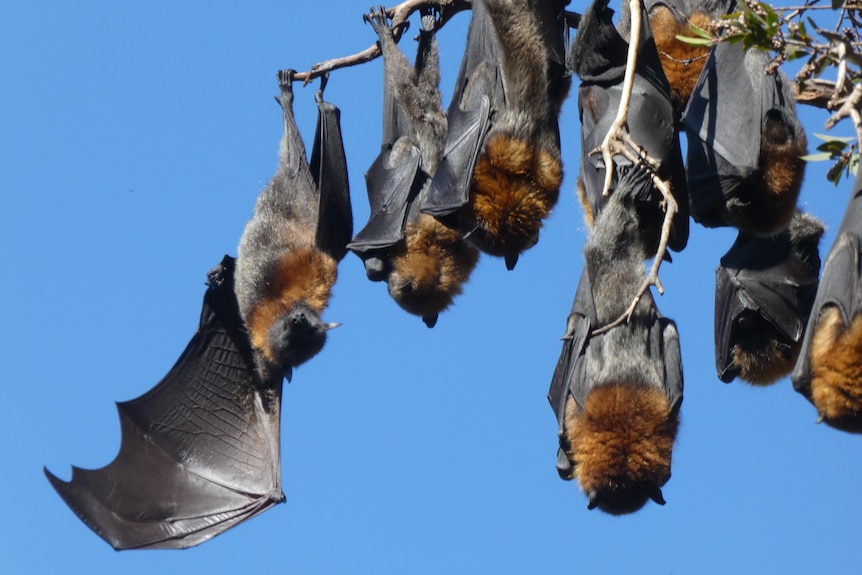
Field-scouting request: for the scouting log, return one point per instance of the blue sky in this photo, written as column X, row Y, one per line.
column 134, row 140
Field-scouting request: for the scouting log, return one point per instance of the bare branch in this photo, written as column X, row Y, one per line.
column 399, row 15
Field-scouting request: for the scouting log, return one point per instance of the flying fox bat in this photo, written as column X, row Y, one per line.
column 500, row 173
column 829, row 369
column 598, row 57
column 200, row 452
column 745, row 143
column 288, row 253
column 617, row 394
column 424, row 262
column 764, row 290
column 683, row 62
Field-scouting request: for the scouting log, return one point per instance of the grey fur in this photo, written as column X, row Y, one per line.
column 285, row 214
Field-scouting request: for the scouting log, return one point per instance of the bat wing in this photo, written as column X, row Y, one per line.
column 479, row 87
column 665, row 343
column 389, row 181
column 724, row 122
column 762, row 286
column 570, row 376
column 840, row 284
column 329, row 169
column 200, row 451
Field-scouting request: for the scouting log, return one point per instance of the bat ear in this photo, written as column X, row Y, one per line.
column 595, row 500
column 511, row 261
column 656, row 496
column 329, row 326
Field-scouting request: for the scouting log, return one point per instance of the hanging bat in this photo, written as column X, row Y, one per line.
column 617, row 393
column 201, row 452
column 500, row 173
column 744, row 161
column 289, row 251
column 683, row 62
column 829, row 369
column 764, row 290
column 424, row 262
column 598, row 56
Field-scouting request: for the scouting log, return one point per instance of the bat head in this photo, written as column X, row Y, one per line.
column 429, row 268
column 624, row 499
column 761, row 353
column 297, row 336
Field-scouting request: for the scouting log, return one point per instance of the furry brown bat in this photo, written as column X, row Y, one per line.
column 501, row 171
column 424, row 262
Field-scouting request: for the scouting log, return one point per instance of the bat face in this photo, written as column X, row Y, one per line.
column 501, row 171
column 288, row 254
column 745, row 144
column 200, row 452
column 765, row 288
column 598, row 56
column 828, row 371
column 424, row 262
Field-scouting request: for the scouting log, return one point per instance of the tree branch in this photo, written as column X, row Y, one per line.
column 399, row 15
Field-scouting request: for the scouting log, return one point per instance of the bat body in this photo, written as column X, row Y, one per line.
column 764, row 290
column 617, row 394
column 200, row 452
column 423, row 262
column 829, row 369
column 288, row 253
column 598, row 57
column 744, row 161
column 500, row 173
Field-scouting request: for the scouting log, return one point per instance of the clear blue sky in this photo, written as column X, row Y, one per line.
column 135, row 138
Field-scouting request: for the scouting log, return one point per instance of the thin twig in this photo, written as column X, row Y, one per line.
column 615, row 138
column 399, row 15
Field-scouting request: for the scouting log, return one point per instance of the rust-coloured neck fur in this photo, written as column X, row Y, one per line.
column 304, row 274
column 430, row 266
column 682, row 63
column 836, row 370
column 622, row 438
column 515, row 185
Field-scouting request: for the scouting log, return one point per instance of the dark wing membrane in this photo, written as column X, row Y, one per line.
column 200, row 451
column 329, row 169
column 668, row 348
column 840, row 283
column 723, row 123
column 570, row 374
column 478, row 89
column 389, row 188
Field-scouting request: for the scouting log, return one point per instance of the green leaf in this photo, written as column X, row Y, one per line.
column 696, row 41
column 816, row 157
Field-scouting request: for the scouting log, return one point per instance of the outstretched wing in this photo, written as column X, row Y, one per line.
column 200, row 451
